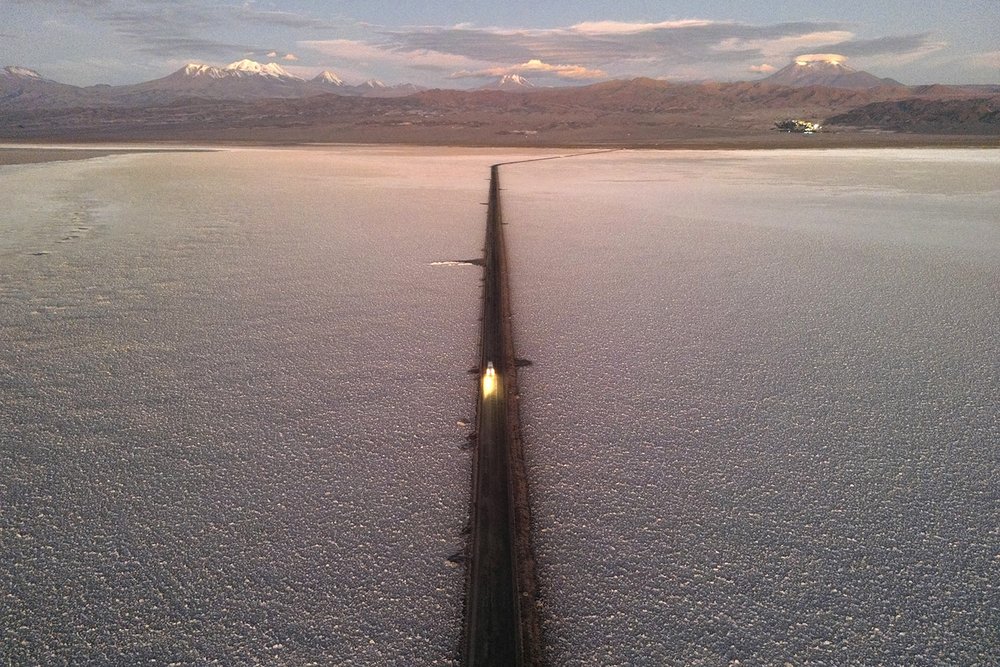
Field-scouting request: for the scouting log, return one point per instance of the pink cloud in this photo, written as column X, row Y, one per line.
column 626, row 28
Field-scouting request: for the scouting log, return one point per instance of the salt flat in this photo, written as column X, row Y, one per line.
column 762, row 416
column 231, row 387
column 761, row 421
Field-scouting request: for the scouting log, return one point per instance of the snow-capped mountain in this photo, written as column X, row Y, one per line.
column 241, row 80
column 15, row 72
column 328, row 78
column 513, row 82
column 241, row 69
column 246, row 68
column 826, row 69
column 249, row 80
column 510, row 82
column 23, row 86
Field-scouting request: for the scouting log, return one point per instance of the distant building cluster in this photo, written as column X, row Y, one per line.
column 795, row 125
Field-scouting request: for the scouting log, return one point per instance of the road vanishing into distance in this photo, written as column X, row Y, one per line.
column 502, row 627
column 500, row 621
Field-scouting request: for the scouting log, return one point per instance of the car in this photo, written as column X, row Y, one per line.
column 489, row 380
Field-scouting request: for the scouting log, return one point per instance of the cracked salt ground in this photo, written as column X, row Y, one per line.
column 228, row 409
column 762, row 422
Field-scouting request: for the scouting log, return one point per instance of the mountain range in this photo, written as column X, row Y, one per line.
column 249, row 100
column 248, row 80
column 241, row 80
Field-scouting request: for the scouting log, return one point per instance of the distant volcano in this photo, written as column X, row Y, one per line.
column 826, row 69
column 244, row 79
column 513, row 82
column 328, row 78
column 241, row 69
column 13, row 72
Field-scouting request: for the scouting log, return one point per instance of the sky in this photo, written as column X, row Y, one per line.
column 468, row 43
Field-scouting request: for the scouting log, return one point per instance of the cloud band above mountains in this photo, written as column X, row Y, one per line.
column 183, row 30
column 617, row 48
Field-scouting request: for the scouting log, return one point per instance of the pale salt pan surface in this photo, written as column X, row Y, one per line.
column 762, row 418
column 230, row 384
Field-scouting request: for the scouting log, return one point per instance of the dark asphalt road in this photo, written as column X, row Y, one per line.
column 502, row 625
column 492, row 620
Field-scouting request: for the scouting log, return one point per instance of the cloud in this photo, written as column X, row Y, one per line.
column 899, row 45
column 623, row 48
column 189, row 29
column 285, row 19
column 781, row 47
column 762, row 69
column 623, row 28
column 365, row 53
column 69, row 3
column 835, row 58
column 987, row 60
column 169, row 47
column 534, row 66
column 683, row 48
column 168, row 31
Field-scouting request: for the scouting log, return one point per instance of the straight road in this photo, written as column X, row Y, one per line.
column 495, row 629
column 502, row 626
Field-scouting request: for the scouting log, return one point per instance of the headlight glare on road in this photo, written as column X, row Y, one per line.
column 489, row 383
